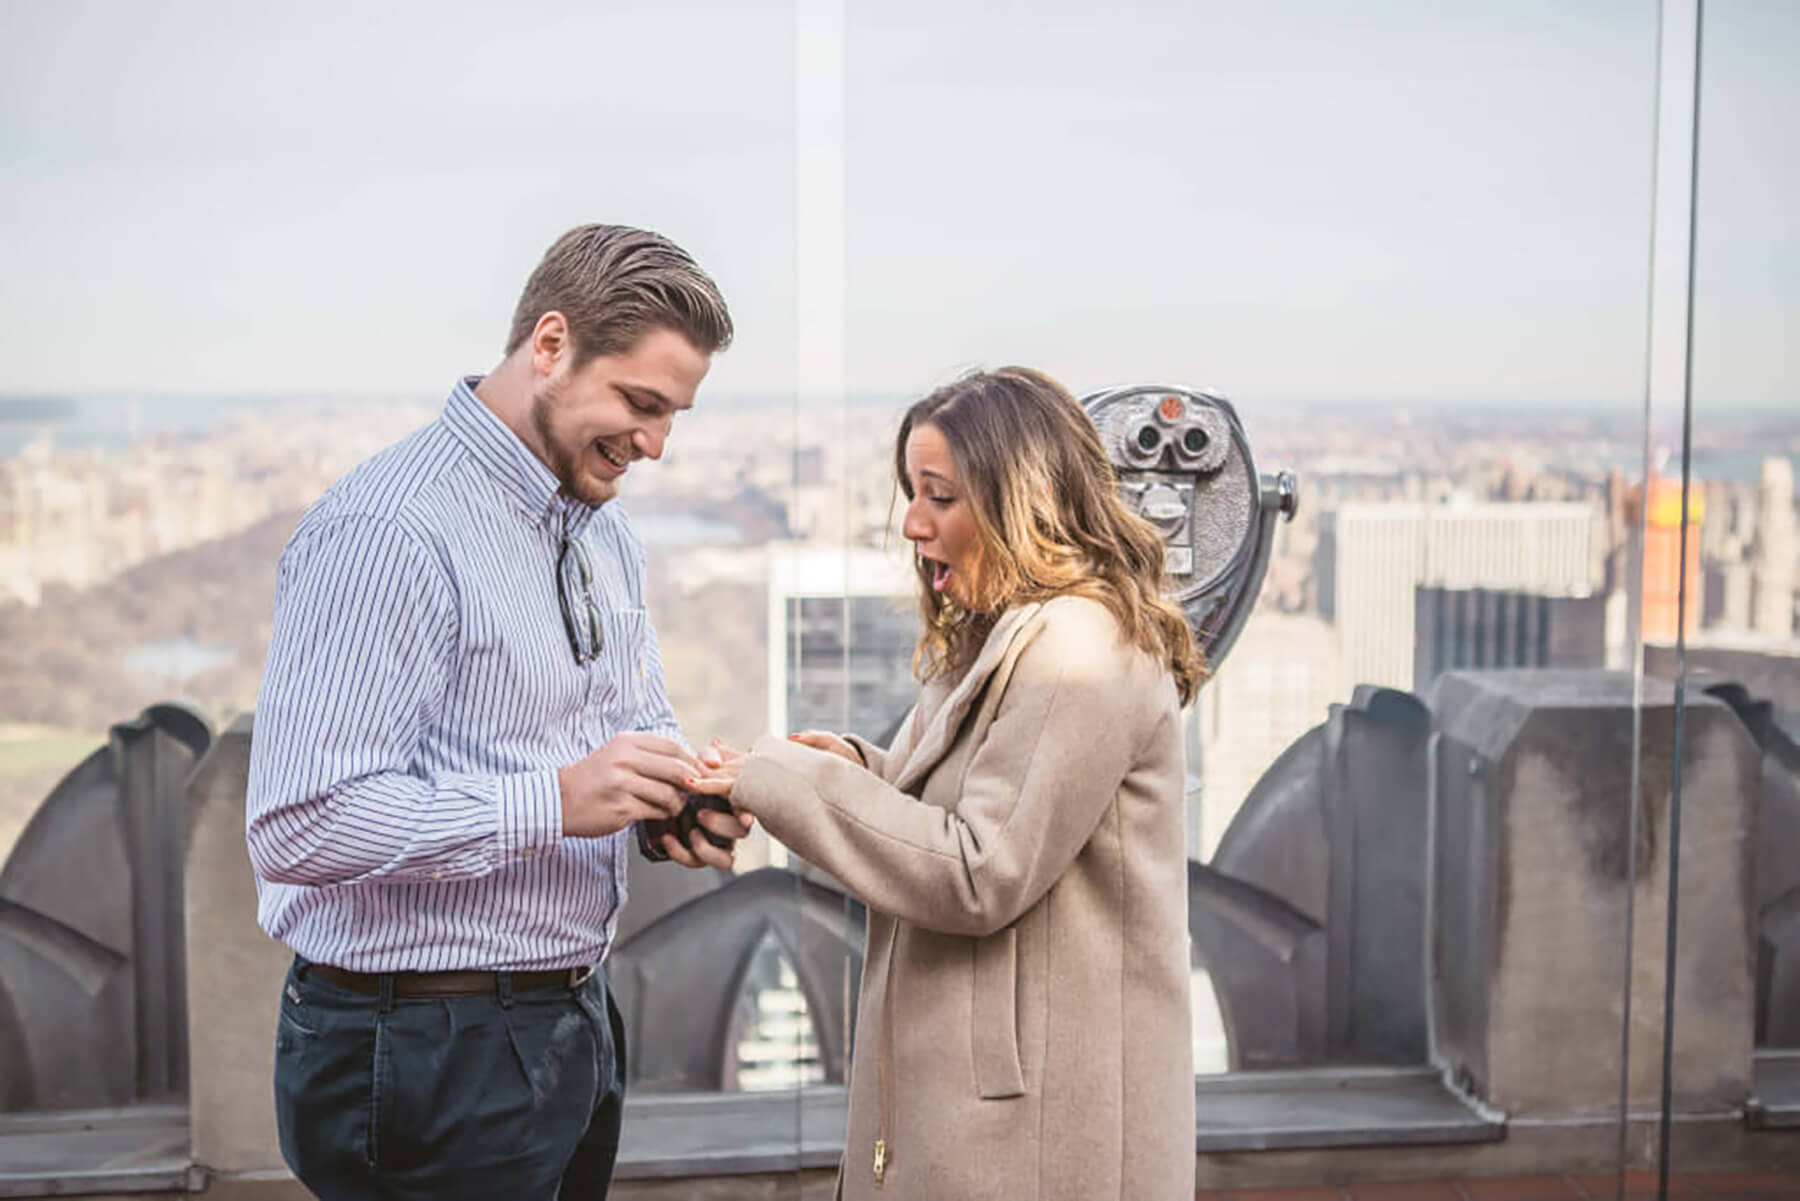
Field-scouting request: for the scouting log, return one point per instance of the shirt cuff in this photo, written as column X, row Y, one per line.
column 530, row 815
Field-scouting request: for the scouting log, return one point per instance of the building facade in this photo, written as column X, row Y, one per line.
column 1372, row 556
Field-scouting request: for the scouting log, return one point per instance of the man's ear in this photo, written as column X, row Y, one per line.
column 550, row 342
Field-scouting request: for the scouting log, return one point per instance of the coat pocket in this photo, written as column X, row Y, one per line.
column 994, row 1021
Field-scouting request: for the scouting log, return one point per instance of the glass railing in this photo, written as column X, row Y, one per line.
column 1513, row 710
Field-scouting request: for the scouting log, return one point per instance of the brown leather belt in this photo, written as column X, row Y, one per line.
column 449, row 984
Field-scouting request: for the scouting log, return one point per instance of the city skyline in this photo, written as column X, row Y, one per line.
column 74, row 417
column 145, row 569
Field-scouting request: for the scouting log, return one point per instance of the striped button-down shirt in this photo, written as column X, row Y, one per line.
column 419, row 696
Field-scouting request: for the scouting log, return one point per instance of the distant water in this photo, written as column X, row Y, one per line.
column 683, row 529
column 175, row 659
column 1741, row 466
column 113, row 420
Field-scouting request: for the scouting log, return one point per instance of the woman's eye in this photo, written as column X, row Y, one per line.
column 942, row 502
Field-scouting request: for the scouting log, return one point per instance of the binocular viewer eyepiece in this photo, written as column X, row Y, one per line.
column 1172, row 433
column 1184, row 465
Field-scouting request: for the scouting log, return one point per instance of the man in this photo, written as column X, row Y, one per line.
column 462, row 715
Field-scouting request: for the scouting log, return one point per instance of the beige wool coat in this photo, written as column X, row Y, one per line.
column 1024, row 1021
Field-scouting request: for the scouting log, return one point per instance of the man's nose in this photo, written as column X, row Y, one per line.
column 650, row 438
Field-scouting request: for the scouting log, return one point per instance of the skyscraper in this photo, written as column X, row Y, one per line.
column 1372, row 556
column 1663, row 564
column 1280, row 680
column 842, row 625
column 1772, row 560
column 1480, row 628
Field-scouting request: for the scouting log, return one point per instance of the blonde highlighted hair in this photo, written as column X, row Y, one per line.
column 1049, row 522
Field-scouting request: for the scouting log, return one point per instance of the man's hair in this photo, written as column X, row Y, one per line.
column 614, row 284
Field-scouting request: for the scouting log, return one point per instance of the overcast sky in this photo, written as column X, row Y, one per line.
column 1405, row 199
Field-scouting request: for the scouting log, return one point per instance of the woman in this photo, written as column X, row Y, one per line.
column 1024, row 1026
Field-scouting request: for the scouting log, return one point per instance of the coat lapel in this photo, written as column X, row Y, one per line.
column 933, row 742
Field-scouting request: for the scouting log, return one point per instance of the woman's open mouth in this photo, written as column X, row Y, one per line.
column 940, row 575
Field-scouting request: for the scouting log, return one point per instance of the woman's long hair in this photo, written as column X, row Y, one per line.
column 1049, row 522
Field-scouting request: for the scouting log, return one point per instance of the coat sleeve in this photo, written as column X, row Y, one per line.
column 1064, row 737
column 885, row 761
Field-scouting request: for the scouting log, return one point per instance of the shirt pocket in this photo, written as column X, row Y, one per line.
column 622, row 661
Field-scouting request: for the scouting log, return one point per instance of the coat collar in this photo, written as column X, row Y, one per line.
column 929, row 745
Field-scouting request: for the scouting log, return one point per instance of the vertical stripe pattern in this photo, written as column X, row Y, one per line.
column 419, row 696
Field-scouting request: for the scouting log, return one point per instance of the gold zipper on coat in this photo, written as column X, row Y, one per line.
column 883, row 1051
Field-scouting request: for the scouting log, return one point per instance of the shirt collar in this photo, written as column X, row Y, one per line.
column 521, row 475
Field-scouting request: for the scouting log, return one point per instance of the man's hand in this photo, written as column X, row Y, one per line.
column 635, row 777
column 701, row 853
column 721, row 770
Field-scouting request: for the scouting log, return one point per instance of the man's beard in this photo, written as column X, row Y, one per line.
column 559, row 456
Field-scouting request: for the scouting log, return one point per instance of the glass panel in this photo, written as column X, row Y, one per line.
column 220, row 306
column 1727, row 937
column 1410, row 249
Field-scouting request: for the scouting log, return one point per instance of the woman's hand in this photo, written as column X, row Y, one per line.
column 821, row 740
column 722, row 765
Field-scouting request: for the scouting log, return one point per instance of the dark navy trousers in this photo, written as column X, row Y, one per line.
column 514, row 1095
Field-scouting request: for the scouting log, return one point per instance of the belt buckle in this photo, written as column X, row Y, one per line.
column 579, row 975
